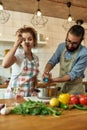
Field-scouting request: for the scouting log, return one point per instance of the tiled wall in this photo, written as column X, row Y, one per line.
column 53, row 30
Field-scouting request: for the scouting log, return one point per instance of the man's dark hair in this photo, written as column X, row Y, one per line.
column 77, row 30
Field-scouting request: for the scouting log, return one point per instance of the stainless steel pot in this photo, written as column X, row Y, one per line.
column 47, row 92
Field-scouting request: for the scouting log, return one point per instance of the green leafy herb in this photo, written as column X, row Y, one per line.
column 35, row 108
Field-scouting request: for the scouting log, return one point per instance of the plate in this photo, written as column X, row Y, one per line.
column 46, row 98
column 35, row 98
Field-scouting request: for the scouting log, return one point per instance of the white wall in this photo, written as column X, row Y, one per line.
column 53, row 29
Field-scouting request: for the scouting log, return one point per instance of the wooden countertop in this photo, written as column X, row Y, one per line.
column 39, row 85
column 69, row 120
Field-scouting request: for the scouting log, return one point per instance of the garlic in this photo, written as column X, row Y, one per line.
column 5, row 111
column 1, row 106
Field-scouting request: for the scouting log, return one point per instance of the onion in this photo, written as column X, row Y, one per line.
column 5, row 111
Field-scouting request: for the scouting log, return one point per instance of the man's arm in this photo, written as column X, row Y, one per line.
column 61, row 79
column 48, row 68
column 77, row 70
column 55, row 59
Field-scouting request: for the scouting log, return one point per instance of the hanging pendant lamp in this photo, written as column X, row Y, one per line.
column 4, row 15
column 38, row 20
column 69, row 16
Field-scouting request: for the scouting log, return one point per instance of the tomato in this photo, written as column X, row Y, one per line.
column 74, row 99
column 81, row 95
column 83, row 99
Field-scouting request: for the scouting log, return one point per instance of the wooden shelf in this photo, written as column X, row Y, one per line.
column 85, row 82
column 4, row 86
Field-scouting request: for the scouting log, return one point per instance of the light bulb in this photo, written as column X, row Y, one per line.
column 38, row 12
column 1, row 6
column 69, row 18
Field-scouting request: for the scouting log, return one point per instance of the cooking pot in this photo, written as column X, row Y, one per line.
column 47, row 92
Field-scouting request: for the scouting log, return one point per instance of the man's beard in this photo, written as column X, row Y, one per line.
column 73, row 49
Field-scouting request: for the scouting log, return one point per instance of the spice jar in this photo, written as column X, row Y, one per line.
column 6, row 51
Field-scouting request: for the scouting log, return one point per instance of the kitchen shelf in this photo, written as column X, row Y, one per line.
column 6, row 42
column 3, row 86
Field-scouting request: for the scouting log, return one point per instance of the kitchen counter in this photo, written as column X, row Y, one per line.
column 69, row 120
column 39, row 85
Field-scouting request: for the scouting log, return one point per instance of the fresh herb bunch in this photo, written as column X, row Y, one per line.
column 35, row 108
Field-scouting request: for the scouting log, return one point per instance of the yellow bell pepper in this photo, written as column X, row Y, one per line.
column 64, row 98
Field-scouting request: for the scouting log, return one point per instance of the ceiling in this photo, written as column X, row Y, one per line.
column 51, row 8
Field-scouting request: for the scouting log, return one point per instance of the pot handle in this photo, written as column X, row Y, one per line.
column 36, row 90
column 59, row 88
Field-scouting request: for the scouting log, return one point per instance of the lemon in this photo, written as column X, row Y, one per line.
column 54, row 102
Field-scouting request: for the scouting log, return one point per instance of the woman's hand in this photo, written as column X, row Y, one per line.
column 19, row 40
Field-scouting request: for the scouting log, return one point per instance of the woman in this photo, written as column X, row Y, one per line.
column 24, row 63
